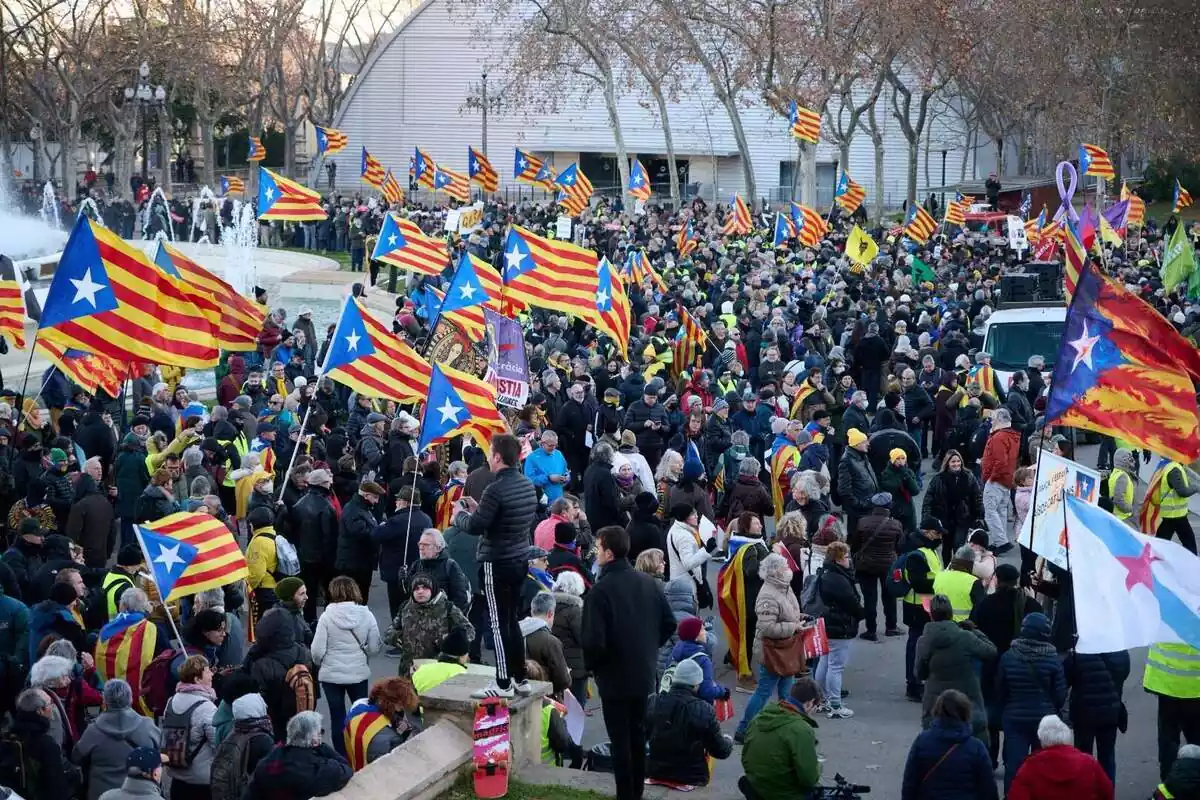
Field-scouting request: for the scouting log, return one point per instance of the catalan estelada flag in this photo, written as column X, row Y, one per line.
column 526, row 166
column 108, row 299
column 685, row 240
column 241, row 318
column 738, row 222
column 231, row 184
column 475, row 286
column 392, row 192
column 919, row 226
column 330, row 140
column 257, row 152
column 1033, row 227
column 423, row 168
column 481, row 171
column 124, row 650
column 444, row 511
column 784, row 230
column 549, row 273
column 805, row 124
column 282, row 199
column 372, row 170
column 1094, row 160
column 639, row 181
column 732, row 606
column 967, row 200
column 955, row 214
column 12, row 312
column 641, row 270
column 612, row 315
column 1136, row 216
column 849, row 194
column 90, row 372
column 459, row 403
column 363, row 723
column 576, row 190
column 547, row 178
column 402, row 245
column 1118, row 371
column 810, row 226
column 189, row 553
column 368, row 358
column 690, row 342
column 1151, row 513
column 452, row 183
column 1183, row 198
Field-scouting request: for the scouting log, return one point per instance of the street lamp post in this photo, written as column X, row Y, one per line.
column 483, row 96
column 944, row 151
column 35, row 136
column 148, row 98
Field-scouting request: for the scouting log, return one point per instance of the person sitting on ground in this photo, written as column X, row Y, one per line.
column 543, row 646
column 683, row 732
column 301, row 768
column 1058, row 770
column 103, row 749
column 946, row 759
column 1183, row 781
column 393, row 700
column 780, row 753
column 452, row 660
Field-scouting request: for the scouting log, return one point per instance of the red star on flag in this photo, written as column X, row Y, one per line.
column 1139, row 568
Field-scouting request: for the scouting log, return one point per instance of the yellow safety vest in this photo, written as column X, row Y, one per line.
column 1172, row 670
column 430, row 675
column 1126, row 495
column 112, row 582
column 934, row 561
column 956, row 586
column 242, row 446
column 1170, row 504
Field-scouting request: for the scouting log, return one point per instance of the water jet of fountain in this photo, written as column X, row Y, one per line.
column 89, row 204
column 205, row 194
column 49, row 211
column 153, row 209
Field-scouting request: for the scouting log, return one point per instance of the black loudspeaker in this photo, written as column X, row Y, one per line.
column 1019, row 288
column 1050, row 279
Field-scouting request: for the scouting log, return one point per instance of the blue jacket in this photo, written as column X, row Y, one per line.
column 397, row 539
column 1030, row 683
column 757, row 426
column 965, row 774
column 51, row 617
column 708, row 689
column 539, row 467
column 814, row 457
column 14, row 632
column 1096, row 681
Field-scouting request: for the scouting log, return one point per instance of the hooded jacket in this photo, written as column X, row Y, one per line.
column 963, row 767
column 780, row 753
column 202, row 736
column 1030, row 682
column 298, row 773
column 104, row 746
column 130, row 474
column 543, row 647
column 273, row 653
column 946, row 658
column 91, row 520
column 420, row 627
column 347, row 636
column 1060, row 771
column 682, row 731
column 681, row 597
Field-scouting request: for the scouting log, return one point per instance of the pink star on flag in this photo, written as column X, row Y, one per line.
column 1139, row 568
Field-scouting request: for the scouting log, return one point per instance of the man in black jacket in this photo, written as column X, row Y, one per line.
column 648, row 420
column 625, row 621
column 357, row 552
column 313, row 530
column 504, row 518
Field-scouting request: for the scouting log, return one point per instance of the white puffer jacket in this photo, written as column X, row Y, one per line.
column 343, row 658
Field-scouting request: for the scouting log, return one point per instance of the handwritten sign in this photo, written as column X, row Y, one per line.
column 1044, row 528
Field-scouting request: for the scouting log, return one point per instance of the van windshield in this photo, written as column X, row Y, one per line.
column 1012, row 343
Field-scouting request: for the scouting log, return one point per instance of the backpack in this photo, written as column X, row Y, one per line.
column 14, row 774
column 668, row 676
column 159, row 681
column 810, row 595
column 176, row 737
column 287, row 561
column 301, row 691
column 230, row 768
column 897, row 582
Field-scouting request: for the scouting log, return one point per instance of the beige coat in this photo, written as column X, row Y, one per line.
column 778, row 612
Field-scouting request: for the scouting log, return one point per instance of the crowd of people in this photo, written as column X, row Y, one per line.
column 842, row 444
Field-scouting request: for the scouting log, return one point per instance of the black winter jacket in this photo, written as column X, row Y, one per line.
column 1029, row 683
column 875, row 542
column 447, row 576
column 505, row 518
column 954, row 498
column 856, row 481
column 568, row 628
column 397, row 537
column 682, row 730
column 313, row 527
column 843, row 605
column 298, row 773
column 645, row 533
column 636, row 417
column 1097, row 681
column 356, row 550
column 601, row 502
column 274, row 652
column 626, row 619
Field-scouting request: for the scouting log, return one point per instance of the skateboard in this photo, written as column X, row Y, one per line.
column 491, row 748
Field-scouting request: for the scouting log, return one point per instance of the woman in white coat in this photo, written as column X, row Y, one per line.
column 686, row 551
column 347, row 636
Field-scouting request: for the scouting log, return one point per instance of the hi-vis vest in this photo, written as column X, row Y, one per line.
column 242, row 447
column 934, row 561
column 1170, row 504
column 1126, row 495
column 956, row 586
column 360, row 730
column 1173, row 670
column 114, row 583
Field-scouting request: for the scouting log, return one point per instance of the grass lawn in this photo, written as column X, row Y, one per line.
column 1160, row 212
column 464, row 790
column 340, row 256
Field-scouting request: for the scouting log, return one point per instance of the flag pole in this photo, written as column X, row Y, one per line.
column 137, row 532
column 28, row 368
column 1033, row 514
column 408, row 526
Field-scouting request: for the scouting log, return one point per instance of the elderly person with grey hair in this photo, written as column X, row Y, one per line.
column 1058, row 769
column 54, row 675
column 998, row 474
column 601, row 497
column 104, row 746
column 301, row 768
column 445, row 572
column 31, row 729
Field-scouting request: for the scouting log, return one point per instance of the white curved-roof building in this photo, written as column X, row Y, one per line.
column 414, row 92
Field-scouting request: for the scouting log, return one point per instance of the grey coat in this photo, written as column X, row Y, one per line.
column 133, row 789
column 945, row 654
column 101, row 751
column 778, row 613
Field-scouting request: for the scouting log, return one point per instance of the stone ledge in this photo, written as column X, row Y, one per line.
column 420, row 769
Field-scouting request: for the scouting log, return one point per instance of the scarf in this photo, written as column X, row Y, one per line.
column 541, row 576
column 625, row 481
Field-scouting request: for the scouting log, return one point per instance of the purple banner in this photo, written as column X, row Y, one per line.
column 508, row 369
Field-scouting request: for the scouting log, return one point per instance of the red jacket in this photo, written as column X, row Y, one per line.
column 1000, row 457
column 1061, row 772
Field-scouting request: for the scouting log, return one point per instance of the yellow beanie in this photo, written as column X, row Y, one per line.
column 855, row 437
column 897, row 452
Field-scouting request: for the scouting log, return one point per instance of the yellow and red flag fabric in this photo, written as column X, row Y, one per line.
column 804, row 123
column 526, row 167
column 849, row 194
column 452, row 183
column 639, row 181
column 1124, row 371
column 550, row 273
column 330, row 140
column 241, row 318
column 576, row 190
column 1183, row 198
column 444, row 511
column 368, row 358
column 475, row 286
column 955, row 214
column 738, row 222
column 685, row 240
column 1151, row 513
column 459, row 403
column 612, row 313
column 362, row 725
column 372, row 170
column 231, row 184
column 108, row 299
column 641, row 270
column 90, row 372
column 12, row 312
column 190, row 553
column 257, row 152
column 423, row 168
column 1094, row 160
column 1033, row 227
column 810, row 226
column 1136, row 216
column 690, row 342
column 481, row 171
column 784, row 462
column 733, row 607
column 920, row 225
column 402, row 244
column 282, row 199
column 124, row 650
column 392, row 192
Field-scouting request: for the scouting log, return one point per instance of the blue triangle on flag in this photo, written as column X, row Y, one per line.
column 444, row 410
column 80, row 286
column 350, row 338
column 168, row 558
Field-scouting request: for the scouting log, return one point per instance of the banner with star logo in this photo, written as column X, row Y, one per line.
column 368, row 358
column 1055, row 475
column 286, row 200
column 189, row 553
column 459, row 403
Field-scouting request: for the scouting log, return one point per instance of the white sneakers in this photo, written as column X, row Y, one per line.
column 494, row 689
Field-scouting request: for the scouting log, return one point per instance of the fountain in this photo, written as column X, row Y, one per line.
column 205, row 194
column 49, row 210
column 88, row 207
column 157, row 206
column 21, row 236
column 240, row 241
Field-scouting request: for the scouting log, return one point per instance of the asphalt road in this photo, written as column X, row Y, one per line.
column 871, row 747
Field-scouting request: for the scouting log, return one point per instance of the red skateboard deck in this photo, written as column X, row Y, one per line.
column 491, row 748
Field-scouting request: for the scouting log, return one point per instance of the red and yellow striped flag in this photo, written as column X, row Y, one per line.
column 805, row 123
column 401, row 244
column 392, row 192
column 452, row 183
column 257, row 151
column 280, row 198
column 1136, row 217
column 231, row 184
column 124, row 650
column 87, row 371
column 1094, row 160
column 372, row 171
column 1183, row 198
column 810, row 226
column 849, row 194
column 685, row 240
column 576, row 190
column 219, row 559
column 241, row 318
column 690, row 342
column 920, row 225
column 955, row 214
column 12, row 312
column 549, row 273
column 423, row 168
column 481, row 171
column 368, row 358
column 642, row 270
column 739, row 222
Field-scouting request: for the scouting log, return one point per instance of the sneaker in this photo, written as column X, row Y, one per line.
column 870, row 636
column 395, row 652
column 523, row 688
column 839, row 712
column 493, row 690
column 894, row 632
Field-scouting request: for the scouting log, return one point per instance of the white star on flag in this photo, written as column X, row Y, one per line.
column 467, row 291
column 270, row 193
column 352, row 341
column 601, row 298
column 169, row 557
column 522, row 163
column 449, row 411
column 392, row 240
column 513, row 259
column 1084, row 347
column 86, row 288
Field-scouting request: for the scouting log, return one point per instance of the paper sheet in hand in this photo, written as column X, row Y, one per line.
column 575, row 717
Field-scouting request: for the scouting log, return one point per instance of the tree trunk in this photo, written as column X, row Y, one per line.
column 668, row 140
column 164, row 150
column 808, row 174
column 844, row 156
column 877, row 141
column 614, row 122
column 962, row 174
column 914, row 151
column 739, row 136
column 289, row 149
column 208, row 152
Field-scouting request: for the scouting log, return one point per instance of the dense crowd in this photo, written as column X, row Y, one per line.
column 581, row 549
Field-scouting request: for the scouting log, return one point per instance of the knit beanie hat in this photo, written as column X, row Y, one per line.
column 455, row 643
column 1036, row 626
column 689, row 628
column 688, row 673
column 286, row 589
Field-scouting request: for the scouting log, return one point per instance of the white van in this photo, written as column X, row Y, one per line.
column 1011, row 335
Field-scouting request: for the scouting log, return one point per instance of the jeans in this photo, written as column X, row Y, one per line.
column 1176, row 716
column 335, row 696
column 768, row 683
column 911, row 684
column 625, row 722
column 875, row 587
column 829, row 671
column 998, row 513
column 502, row 589
column 1019, row 741
column 1105, row 740
column 1177, row 526
column 356, row 258
column 310, row 236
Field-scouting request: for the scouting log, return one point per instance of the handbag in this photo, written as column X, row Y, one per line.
column 784, row 657
column 704, row 595
column 945, row 755
column 1060, row 711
